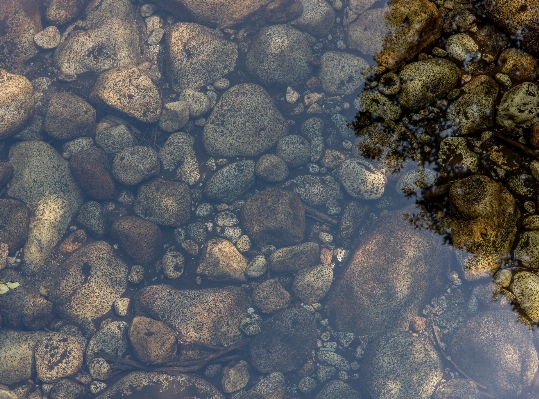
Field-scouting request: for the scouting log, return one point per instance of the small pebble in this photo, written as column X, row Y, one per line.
column 221, row 84
column 243, row 244
column 121, row 306
column 147, row 9
column 136, row 274
column 48, row 38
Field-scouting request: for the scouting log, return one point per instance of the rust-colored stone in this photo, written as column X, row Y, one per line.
column 73, row 242
column 534, row 135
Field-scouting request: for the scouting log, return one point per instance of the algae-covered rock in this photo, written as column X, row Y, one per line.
column 519, row 106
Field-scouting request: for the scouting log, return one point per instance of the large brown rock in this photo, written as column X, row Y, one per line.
column 389, row 277
column 153, row 341
column 91, row 169
column 69, row 116
column 89, row 282
column 274, row 216
column 395, row 34
column 496, row 350
column 214, row 13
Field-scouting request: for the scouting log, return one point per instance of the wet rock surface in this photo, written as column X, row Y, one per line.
column 244, row 122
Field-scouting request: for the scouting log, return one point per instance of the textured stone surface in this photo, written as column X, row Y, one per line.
column 389, row 277
column 43, row 181
column 507, row 367
column 57, row 356
column 91, row 169
column 285, row 343
column 164, row 202
column 16, row 102
column 89, row 282
column 197, row 56
column 209, row 315
column 274, row 216
column 140, row 238
column 342, row 73
column 106, row 37
column 279, row 55
column 17, row 350
column 131, row 91
column 153, row 341
column 231, row 181
column 60, row 12
column 69, row 116
column 161, row 386
column 14, row 219
column 398, row 359
column 221, row 260
column 135, row 164
column 245, row 122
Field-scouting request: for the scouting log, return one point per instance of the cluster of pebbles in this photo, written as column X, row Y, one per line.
column 184, row 203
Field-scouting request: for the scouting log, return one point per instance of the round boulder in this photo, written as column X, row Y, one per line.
column 153, row 341
column 91, row 169
column 280, row 55
column 135, row 164
column 245, row 122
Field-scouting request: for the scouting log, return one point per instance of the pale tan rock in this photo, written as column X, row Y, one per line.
column 16, row 102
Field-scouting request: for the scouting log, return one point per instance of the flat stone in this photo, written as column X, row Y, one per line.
column 57, row 356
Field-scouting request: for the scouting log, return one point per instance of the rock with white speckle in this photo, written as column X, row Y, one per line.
column 361, row 180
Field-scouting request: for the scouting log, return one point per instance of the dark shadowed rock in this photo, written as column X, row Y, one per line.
column 285, row 343
column 6, row 172
column 496, row 350
column 60, row 12
column 140, row 238
column 18, row 347
column 294, row 258
column 141, row 385
column 389, row 277
column 92, row 217
column 209, row 315
column 14, row 219
column 24, row 307
column 163, row 202
column 69, row 116
column 274, row 216
column 91, row 169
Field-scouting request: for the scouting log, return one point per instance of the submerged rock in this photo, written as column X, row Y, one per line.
column 197, row 55
column 483, row 223
column 389, row 277
column 222, row 310
column 43, row 181
column 279, row 55
column 285, row 343
column 89, row 282
column 245, row 122
column 16, row 102
column 106, row 37
column 395, row 34
column 161, row 386
column 274, row 216
column 18, row 347
column 401, row 366
column 497, row 351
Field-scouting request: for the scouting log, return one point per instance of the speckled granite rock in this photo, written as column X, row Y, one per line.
column 389, row 277
column 279, row 55
column 57, row 356
column 16, row 102
column 219, row 13
column 106, row 37
column 43, row 181
column 153, row 341
column 18, row 347
column 197, row 56
column 245, row 122
column 316, row 19
column 131, row 91
column 221, row 260
column 400, row 359
column 161, row 386
column 89, row 282
column 507, row 367
column 231, row 181
column 14, row 219
column 342, row 73
column 223, row 308
column 140, row 238
column 69, row 116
